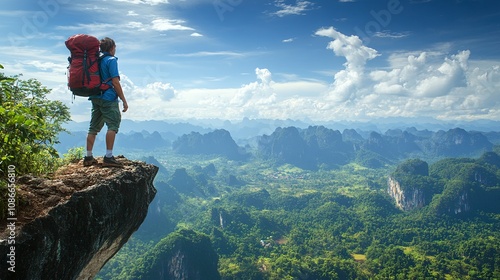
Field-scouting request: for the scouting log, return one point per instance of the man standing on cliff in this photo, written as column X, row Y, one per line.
column 105, row 109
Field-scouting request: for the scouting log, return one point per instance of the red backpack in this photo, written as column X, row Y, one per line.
column 84, row 77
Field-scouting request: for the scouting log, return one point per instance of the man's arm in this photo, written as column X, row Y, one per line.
column 118, row 88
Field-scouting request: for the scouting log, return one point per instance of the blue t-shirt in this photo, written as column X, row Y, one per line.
column 109, row 70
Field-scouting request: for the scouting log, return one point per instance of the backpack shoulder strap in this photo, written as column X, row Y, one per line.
column 101, row 57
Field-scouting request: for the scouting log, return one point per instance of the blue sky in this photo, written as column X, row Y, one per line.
column 329, row 60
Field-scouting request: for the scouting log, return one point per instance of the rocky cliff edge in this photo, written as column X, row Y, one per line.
column 405, row 200
column 69, row 226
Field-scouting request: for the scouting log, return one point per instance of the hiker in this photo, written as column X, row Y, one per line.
column 105, row 107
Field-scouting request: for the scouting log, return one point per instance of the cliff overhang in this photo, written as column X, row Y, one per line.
column 69, row 226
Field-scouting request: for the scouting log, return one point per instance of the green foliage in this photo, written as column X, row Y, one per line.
column 255, row 199
column 413, row 167
column 413, row 174
column 370, row 159
column 396, row 264
column 375, row 204
column 490, row 158
column 496, row 149
column 184, row 183
column 469, row 184
column 30, row 123
column 447, row 202
column 186, row 247
column 448, row 168
column 73, row 155
column 321, row 268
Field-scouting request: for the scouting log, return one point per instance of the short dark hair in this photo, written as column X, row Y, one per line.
column 107, row 44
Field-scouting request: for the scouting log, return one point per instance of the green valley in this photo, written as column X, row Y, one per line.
column 277, row 221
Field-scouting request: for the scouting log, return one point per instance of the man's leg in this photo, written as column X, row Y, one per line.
column 90, row 143
column 96, row 123
column 89, row 160
column 109, row 159
column 112, row 118
column 110, row 142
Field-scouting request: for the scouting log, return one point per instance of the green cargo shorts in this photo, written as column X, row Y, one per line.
column 104, row 112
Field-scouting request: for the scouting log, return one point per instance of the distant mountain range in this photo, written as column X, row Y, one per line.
column 248, row 128
column 318, row 145
column 311, row 147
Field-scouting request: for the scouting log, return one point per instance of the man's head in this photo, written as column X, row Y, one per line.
column 108, row 45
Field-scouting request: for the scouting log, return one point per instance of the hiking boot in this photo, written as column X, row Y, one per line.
column 88, row 161
column 111, row 161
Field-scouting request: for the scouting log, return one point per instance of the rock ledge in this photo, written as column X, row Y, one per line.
column 69, row 226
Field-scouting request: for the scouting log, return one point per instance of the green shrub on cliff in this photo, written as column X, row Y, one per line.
column 30, row 124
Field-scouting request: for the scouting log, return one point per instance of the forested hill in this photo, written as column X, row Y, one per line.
column 452, row 186
column 217, row 142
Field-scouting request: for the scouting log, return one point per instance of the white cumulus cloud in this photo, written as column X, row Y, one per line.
column 162, row 24
column 444, row 87
column 347, row 82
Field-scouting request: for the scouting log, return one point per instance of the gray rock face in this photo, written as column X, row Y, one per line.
column 405, row 200
column 462, row 204
column 90, row 215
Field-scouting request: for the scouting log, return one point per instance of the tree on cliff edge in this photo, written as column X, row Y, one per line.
column 29, row 125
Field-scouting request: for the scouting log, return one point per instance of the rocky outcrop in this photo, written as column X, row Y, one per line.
column 410, row 185
column 457, row 198
column 69, row 226
column 462, row 204
column 405, row 199
column 184, row 254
